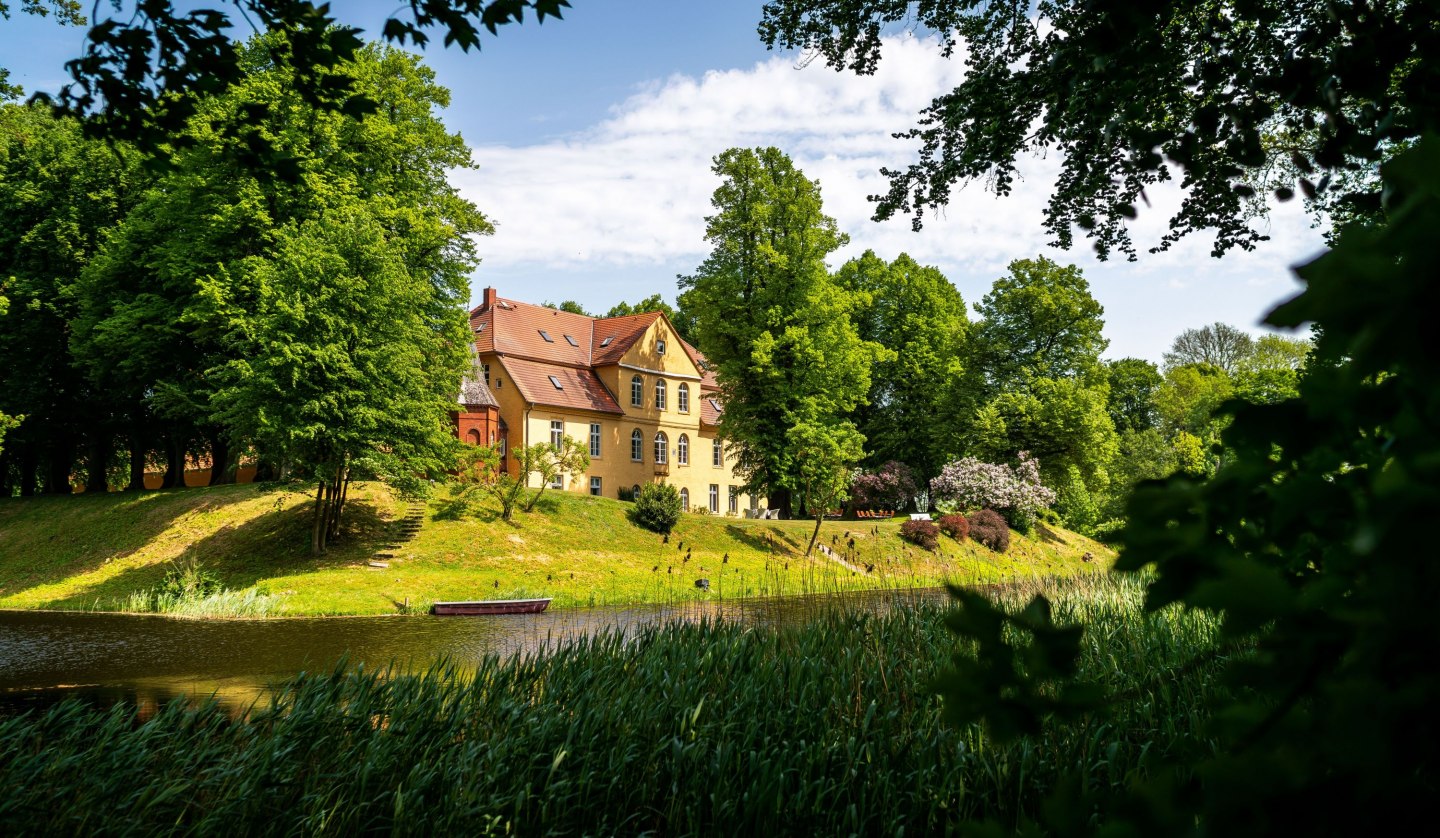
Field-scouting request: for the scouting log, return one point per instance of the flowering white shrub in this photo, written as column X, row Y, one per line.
column 1016, row 492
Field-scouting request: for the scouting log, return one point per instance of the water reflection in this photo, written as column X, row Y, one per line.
column 150, row 660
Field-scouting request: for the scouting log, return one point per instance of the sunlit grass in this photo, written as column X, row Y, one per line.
column 99, row 552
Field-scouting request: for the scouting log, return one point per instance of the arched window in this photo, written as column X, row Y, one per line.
column 637, row 446
column 685, row 500
column 682, row 449
column 662, row 447
column 635, row 491
column 682, row 398
column 637, row 391
column 473, row 437
column 659, row 394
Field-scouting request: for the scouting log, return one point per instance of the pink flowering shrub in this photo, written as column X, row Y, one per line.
column 1016, row 492
column 891, row 486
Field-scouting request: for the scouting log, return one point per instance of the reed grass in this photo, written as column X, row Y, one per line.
column 708, row 728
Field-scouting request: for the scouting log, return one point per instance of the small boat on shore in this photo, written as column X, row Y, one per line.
column 489, row 606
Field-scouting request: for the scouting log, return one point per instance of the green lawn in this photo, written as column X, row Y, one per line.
column 93, row 552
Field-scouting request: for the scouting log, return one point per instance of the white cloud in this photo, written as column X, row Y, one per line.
column 630, row 196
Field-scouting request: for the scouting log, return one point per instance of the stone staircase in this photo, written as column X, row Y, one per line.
column 406, row 530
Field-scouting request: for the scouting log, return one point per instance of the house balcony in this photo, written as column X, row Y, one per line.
column 662, row 469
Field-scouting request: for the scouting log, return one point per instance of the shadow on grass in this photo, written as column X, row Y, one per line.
column 52, row 537
column 272, row 544
column 1047, row 535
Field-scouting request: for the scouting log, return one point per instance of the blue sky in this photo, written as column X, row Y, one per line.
column 593, row 136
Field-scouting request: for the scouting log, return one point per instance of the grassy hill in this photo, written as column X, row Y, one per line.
column 94, row 552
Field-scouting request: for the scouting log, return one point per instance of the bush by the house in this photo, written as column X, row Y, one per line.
column 989, row 528
column 921, row 533
column 657, row 507
column 956, row 526
column 892, row 486
column 1016, row 493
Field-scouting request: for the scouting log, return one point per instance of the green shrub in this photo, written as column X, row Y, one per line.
column 988, row 527
column 956, row 526
column 657, row 507
column 921, row 533
column 187, row 579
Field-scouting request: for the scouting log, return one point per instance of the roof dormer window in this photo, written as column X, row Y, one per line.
column 606, row 341
column 546, row 335
column 571, row 341
column 556, row 382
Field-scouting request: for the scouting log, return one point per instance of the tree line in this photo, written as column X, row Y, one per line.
column 878, row 362
column 169, row 307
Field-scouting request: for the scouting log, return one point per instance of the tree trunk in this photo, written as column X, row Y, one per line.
column 779, row 499
column 317, row 530
column 814, row 535
column 174, row 461
column 221, row 469
column 265, row 471
column 139, row 447
column 62, row 458
column 28, row 466
column 100, row 445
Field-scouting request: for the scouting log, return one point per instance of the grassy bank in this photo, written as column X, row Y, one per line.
column 97, row 552
column 684, row 729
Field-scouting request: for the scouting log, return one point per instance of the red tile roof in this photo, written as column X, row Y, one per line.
column 579, row 388
column 514, row 328
column 622, row 333
column 708, row 381
column 710, row 411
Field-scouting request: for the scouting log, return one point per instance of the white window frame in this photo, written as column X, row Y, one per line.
column 684, row 499
column 637, row 446
column 715, row 498
column 682, row 450
column 659, row 347
column 637, row 391
column 732, row 504
column 595, row 486
column 717, row 454
column 595, row 440
column 557, row 434
column 682, row 398
column 661, row 392
column 662, row 448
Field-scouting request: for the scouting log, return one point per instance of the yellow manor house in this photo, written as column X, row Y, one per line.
column 629, row 388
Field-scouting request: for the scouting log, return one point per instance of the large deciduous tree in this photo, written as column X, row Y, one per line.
column 1218, row 344
column 1241, row 97
column 1038, row 321
column 775, row 327
column 916, row 397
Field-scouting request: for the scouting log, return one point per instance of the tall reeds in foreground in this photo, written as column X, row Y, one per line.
column 682, row 728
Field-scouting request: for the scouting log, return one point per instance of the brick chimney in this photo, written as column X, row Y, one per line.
column 489, row 301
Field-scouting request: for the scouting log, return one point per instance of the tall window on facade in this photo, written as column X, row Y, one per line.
column 595, row 486
column 682, row 398
column 717, row 454
column 637, row 392
column 557, row 433
column 685, row 500
column 734, row 501
column 682, row 450
column 660, row 394
column 637, row 445
column 486, row 369
column 714, row 497
column 662, row 447
column 594, row 439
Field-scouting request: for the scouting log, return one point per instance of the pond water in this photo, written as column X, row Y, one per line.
column 149, row 660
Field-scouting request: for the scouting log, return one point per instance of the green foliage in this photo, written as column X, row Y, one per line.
column 1063, row 423
column 1038, row 322
column 1311, row 542
column 657, row 508
column 1075, row 504
column 1241, row 98
column 955, row 525
column 187, row 578
column 923, row 534
column 825, row 456
column 775, row 328
column 140, row 77
column 989, row 528
column 568, row 305
column 1133, row 386
column 917, row 397
column 1218, row 345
